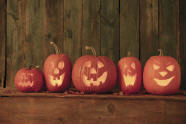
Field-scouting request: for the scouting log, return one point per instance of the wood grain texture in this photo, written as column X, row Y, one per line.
column 179, row 96
column 168, row 27
column 34, row 42
column 183, row 42
column 73, row 15
column 24, row 36
column 84, row 110
column 2, row 41
column 91, row 26
column 16, row 53
column 53, row 25
column 129, row 27
column 110, row 29
column 149, row 43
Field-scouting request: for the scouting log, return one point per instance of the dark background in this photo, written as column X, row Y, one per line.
column 112, row 27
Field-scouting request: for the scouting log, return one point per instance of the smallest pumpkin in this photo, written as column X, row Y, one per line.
column 29, row 80
column 130, row 74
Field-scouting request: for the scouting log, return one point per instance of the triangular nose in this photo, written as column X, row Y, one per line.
column 163, row 73
column 129, row 71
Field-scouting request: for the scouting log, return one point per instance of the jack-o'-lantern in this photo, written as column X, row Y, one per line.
column 93, row 74
column 161, row 75
column 29, row 80
column 130, row 74
column 57, row 71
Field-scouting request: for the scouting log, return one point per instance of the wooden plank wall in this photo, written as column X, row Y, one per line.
column 112, row 27
column 2, row 41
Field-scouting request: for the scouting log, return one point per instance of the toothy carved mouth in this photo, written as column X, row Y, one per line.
column 57, row 81
column 163, row 82
column 26, row 84
column 99, row 80
column 129, row 80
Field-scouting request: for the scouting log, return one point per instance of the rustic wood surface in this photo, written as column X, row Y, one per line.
column 53, row 25
column 73, row 15
column 112, row 27
column 16, row 45
column 105, row 111
column 10, row 92
column 148, row 29
column 168, row 27
column 91, row 26
column 2, row 41
column 25, row 44
column 38, row 108
column 183, row 41
column 129, row 28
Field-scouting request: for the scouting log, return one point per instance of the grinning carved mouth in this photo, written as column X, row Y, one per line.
column 163, row 82
column 129, row 80
column 57, row 81
column 26, row 84
column 99, row 80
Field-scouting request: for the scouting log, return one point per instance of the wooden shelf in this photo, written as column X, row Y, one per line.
column 52, row 108
column 181, row 95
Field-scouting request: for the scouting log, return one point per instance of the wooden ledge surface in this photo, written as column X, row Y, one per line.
column 181, row 95
column 62, row 108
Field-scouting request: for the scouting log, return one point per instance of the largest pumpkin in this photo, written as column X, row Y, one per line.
column 94, row 74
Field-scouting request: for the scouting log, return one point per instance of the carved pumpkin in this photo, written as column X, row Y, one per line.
column 57, row 71
column 29, row 80
column 130, row 74
column 161, row 75
column 93, row 74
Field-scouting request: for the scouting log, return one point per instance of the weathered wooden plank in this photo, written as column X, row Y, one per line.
column 73, row 13
column 168, row 27
column 110, row 29
column 148, row 29
column 91, row 26
column 24, row 35
column 15, row 39
column 53, row 25
column 106, row 111
column 2, row 41
column 183, row 42
column 34, row 41
column 129, row 27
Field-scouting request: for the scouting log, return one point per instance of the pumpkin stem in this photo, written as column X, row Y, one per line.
column 161, row 52
column 129, row 53
column 55, row 47
column 31, row 66
column 92, row 49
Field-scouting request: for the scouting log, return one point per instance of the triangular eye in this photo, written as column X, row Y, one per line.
column 170, row 67
column 100, row 64
column 61, row 65
column 88, row 64
column 156, row 67
column 133, row 65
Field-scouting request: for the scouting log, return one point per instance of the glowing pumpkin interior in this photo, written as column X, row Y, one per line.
column 57, row 74
column 27, row 80
column 164, row 73
column 129, row 75
column 94, row 74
